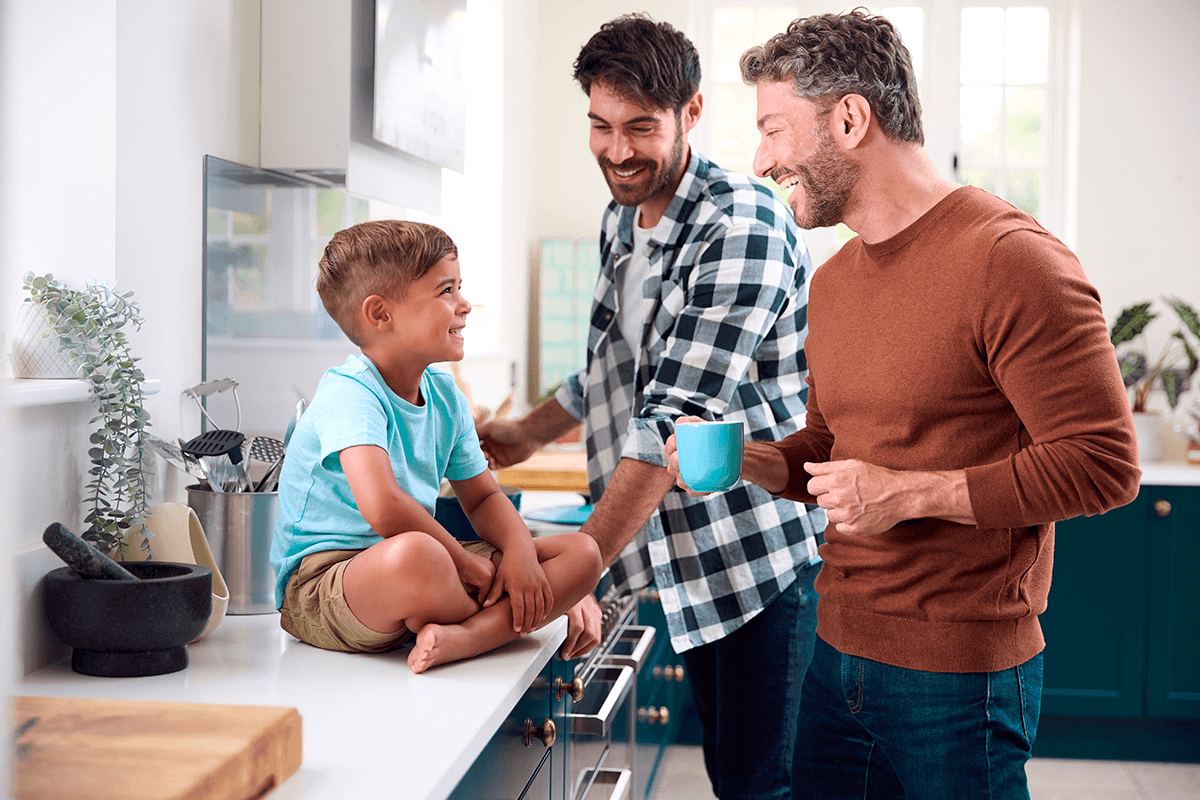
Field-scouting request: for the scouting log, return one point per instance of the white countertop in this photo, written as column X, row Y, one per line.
column 1170, row 473
column 370, row 725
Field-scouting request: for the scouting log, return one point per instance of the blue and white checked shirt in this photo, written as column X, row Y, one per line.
column 724, row 320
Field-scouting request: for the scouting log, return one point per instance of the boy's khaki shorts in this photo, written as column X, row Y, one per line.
column 314, row 609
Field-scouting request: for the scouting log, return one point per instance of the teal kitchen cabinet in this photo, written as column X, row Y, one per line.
column 1122, row 658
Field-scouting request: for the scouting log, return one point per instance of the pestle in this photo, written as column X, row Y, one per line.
column 81, row 556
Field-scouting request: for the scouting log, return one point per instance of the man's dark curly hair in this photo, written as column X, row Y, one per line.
column 832, row 55
column 650, row 63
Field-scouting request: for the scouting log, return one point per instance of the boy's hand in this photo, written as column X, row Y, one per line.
column 528, row 590
column 477, row 572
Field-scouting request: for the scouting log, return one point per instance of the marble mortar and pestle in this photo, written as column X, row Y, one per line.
column 125, row 620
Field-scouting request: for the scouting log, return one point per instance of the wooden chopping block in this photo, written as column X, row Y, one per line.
column 548, row 471
column 67, row 748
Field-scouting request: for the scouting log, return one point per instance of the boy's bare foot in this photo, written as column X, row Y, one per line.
column 439, row 644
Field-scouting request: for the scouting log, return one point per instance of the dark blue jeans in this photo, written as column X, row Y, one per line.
column 870, row 731
column 746, row 688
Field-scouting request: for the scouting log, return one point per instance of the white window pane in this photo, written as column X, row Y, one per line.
column 983, row 178
column 1025, row 190
column 733, row 32
column 773, row 20
column 735, row 134
column 910, row 21
column 1027, row 45
column 1024, row 111
column 979, row 123
column 982, row 45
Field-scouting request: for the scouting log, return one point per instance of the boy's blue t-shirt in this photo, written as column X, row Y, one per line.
column 353, row 406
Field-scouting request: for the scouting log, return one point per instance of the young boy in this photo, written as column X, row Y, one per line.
column 361, row 565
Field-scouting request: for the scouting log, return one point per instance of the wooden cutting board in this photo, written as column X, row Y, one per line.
column 66, row 748
column 548, row 471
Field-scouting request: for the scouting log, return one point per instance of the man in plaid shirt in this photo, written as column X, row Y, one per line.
column 699, row 310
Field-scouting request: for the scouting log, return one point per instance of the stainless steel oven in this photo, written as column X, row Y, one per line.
column 601, row 719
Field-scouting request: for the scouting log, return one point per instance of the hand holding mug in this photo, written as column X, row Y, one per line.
column 705, row 456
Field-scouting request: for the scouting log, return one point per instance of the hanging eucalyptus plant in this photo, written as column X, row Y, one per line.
column 90, row 325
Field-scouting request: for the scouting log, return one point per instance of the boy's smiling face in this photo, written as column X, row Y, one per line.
column 430, row 318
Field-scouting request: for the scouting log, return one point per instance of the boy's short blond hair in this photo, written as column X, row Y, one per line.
column 382, row 257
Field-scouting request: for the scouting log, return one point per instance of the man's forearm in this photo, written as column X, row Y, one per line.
column 632, row 495
column 548, row 421
column 765, row 466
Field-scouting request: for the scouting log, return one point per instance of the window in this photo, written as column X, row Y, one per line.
column 728, row 133
column 1004, row 87
column 996, row 87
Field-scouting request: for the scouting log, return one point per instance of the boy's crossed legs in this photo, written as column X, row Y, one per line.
column 409, row 580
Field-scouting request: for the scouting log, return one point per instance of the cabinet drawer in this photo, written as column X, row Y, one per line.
column 519, row 755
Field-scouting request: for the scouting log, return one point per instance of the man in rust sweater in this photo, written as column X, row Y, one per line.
column 963, row 396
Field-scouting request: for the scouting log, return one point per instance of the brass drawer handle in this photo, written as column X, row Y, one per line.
column 661, row 715
column 546, row 732
column 574, row 688
column 671, row 673
column 1162, row 508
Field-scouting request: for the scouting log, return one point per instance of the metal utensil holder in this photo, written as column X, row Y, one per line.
column 239, row 527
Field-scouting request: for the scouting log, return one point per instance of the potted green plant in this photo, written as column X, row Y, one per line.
column 1173, row 369
column 90, row 325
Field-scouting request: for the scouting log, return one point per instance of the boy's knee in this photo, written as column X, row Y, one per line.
column 416, row 553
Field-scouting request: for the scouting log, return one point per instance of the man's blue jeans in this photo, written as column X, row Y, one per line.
column 869, row 730
column 746, row 688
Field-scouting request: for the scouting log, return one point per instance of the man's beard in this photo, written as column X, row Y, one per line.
column 655, row 181
column 828, row 180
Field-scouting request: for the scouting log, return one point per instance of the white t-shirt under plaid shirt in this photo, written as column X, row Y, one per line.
column 724, row 319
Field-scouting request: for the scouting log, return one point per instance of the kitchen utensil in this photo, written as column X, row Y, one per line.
column 142, row 750
column 81, row 556
column 215, row 387
column 265, row 448
column 128, row 629
column 201, row 465
column 300, row 406
column 221, row 443
column 174, row 456
column 272, row 473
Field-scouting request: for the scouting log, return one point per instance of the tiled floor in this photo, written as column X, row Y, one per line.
column 681, row 777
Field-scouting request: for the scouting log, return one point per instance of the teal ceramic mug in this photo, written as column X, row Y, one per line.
column 710, row 454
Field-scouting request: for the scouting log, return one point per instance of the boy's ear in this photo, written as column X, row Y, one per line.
column 375, row 313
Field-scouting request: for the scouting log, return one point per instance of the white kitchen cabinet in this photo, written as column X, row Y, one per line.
column 316, row 104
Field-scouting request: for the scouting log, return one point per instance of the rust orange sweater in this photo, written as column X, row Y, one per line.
column 972, row 339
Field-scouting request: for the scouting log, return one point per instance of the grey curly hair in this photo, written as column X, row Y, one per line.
column 829, row 56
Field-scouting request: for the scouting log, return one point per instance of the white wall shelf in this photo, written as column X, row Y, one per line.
column 27, row 392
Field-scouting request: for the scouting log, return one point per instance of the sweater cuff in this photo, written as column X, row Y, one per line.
column 992, row 489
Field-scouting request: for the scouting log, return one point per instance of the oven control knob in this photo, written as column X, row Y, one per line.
column 573, row 688
column 546, row 732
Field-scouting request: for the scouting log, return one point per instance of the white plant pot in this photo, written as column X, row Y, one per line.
column 1147, row 424
column 32, row 355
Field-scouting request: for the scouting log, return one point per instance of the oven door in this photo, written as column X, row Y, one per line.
column 592, row 723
